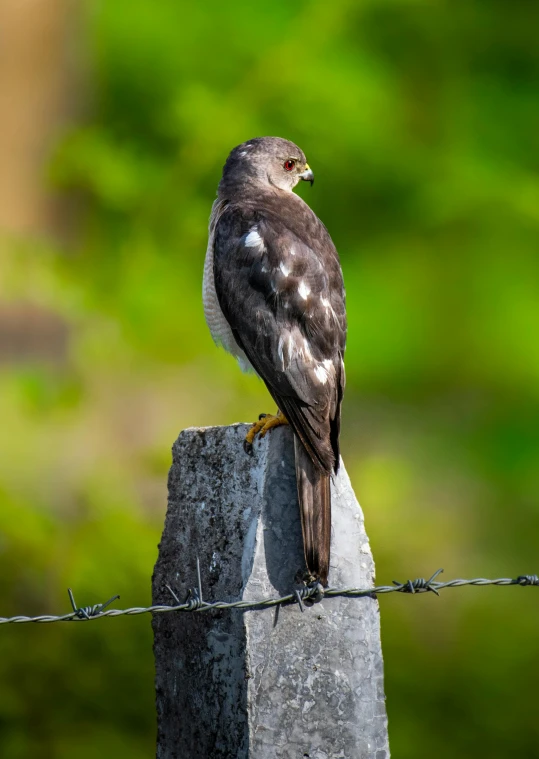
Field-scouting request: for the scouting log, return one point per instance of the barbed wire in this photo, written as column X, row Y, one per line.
column 308, row 594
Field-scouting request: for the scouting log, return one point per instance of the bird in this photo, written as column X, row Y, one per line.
column 274, row 298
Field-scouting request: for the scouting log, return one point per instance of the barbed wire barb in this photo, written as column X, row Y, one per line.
column 86, row 612
column 199, row 581
column 419, row 585
column 174, row 596
column 312, row 593
column 528, row 580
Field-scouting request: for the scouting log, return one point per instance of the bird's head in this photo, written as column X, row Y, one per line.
column 267, row 160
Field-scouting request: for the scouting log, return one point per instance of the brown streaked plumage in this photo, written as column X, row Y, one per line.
column 274, row 298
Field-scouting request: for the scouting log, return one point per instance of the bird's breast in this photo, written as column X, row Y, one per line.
column 215, row 319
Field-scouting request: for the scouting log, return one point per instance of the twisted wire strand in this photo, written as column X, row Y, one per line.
column 311, row 593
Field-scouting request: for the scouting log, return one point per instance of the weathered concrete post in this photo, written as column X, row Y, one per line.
column 263, row 684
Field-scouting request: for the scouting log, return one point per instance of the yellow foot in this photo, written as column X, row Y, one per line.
column 265, row 423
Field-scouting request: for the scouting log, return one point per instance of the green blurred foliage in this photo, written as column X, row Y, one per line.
column 420, row 120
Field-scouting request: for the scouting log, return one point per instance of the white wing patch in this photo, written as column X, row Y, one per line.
column 328, row 307
column 322, row 371
column 299, row 348
column 305, row 352
column 280, row 349
column 284, row 268
column 253, row 240
column 293, row 346
column 303, row 290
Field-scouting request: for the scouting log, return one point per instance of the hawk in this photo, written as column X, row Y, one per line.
column 274, row 298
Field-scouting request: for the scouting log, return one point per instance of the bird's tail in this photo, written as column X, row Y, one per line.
column 315, row 507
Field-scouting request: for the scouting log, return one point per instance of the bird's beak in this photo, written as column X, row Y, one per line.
column 307, row 175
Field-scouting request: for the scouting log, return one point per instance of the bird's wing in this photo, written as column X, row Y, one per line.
column 279, row 284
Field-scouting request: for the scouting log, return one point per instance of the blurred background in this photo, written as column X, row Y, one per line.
column 421, row 122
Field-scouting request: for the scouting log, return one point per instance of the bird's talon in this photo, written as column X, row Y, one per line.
column 260, row 428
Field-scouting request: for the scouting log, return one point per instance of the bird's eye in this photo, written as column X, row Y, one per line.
column 289, row 165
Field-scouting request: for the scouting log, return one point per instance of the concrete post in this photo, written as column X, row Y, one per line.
column 267, row 684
